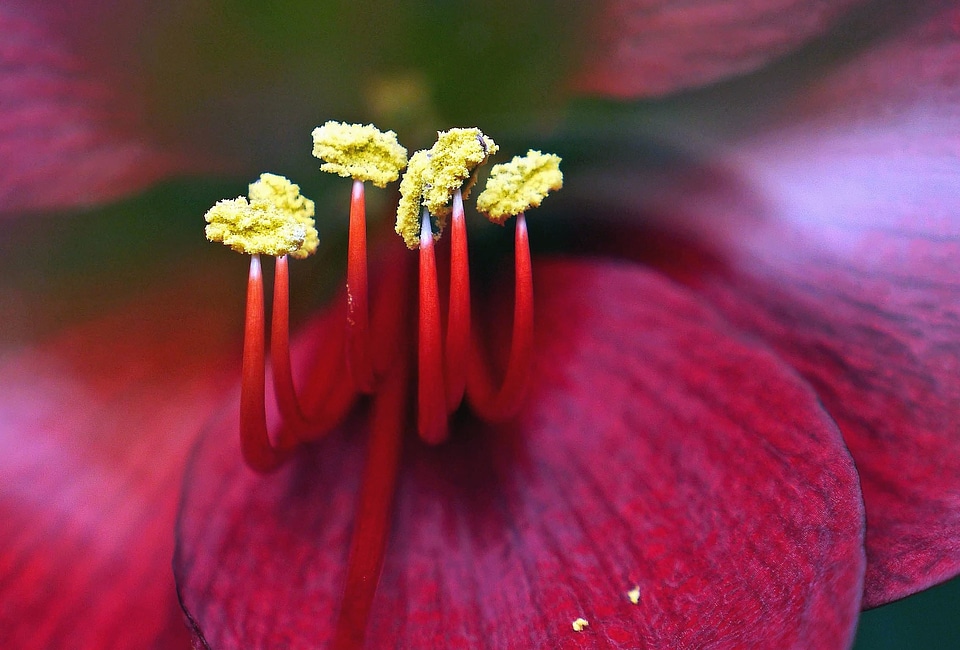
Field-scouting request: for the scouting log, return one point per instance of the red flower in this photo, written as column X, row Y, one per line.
column 683, row 438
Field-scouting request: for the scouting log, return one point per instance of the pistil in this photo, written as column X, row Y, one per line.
column 371, row 530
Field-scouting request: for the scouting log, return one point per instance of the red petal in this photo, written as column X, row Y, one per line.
column 95, row 425
column 657, row 450
column 70, row 134
column 652, row 47
column 848, row 268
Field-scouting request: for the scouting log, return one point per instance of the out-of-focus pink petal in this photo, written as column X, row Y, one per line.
column 849, row 270
column 645, row 48
column 658, row 450
column 95, row 423
column 71, row 133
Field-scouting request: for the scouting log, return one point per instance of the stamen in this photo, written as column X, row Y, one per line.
column 458, row 315
column 372, row 526
column 358, row 315
column 498, row 405
column 255, row 443
column 431, row 400
column 283, row 387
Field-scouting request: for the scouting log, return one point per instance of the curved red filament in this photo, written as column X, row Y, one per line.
column 258, row 451
column 358, row 319
column 283, row 387
column 458, row 314
column 431, row 394
column 490, row 403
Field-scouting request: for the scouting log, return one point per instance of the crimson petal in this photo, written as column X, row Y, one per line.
column 848, row 269
column 71, row 133
column 658, row 450
column 96, row 420
column 647, row 48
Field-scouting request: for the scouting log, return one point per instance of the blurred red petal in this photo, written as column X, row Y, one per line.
column 645, row 48
column 72, row 131
column 658, row 450
column 849, row 269
column 95, row 423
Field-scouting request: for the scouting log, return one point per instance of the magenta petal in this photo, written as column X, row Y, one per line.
column 658, row 450
column 652, row 47
column 95, row 425
column 849, row 269
column 70, row 133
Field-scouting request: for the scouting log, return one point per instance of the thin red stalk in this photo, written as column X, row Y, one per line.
column 255, row 444
column 358, row 319
column 372, row 526
column 283, row 387
column 499, row 405
column 458, row 315
column 431, row 393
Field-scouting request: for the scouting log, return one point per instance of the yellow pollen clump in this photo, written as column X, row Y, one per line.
column 519, row 185
column 285, row 196
column 409, row 208
column 580, row 624
column 634, row 595
column 363, row 153
column 453, row 159
column 254, row 228
column 276, row 220
column 434, row 175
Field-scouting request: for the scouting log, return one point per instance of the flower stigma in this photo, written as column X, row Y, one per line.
column 372, row 354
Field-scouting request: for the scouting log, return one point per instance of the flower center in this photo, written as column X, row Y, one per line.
column 371, row 359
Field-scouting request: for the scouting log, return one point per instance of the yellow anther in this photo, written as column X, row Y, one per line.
column 410, row 205
column 254, row 228
column 580, row 624
column 434, row 175
column 519, row 185
column 453, row 159
column 363, row 153
column 285, row 196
